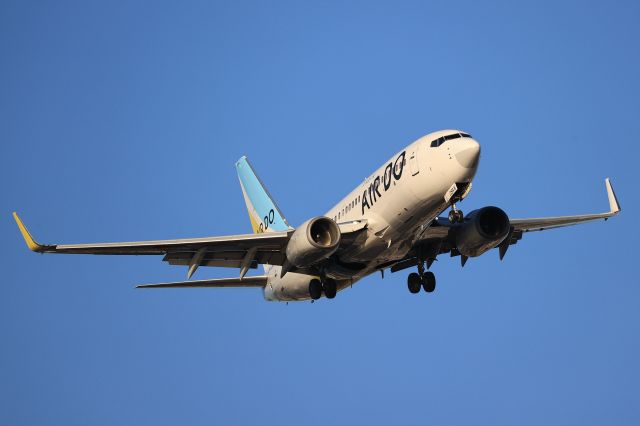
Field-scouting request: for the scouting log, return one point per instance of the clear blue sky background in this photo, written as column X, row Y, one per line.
column 122, row 121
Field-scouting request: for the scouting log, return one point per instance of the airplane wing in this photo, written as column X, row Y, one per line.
column 235, row 251
column 438, row 238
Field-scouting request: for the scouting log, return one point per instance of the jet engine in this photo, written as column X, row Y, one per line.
column 313, row 241
column 483, row 229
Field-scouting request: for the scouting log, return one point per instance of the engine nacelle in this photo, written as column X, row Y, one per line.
column 483, row 229
column 313, row 241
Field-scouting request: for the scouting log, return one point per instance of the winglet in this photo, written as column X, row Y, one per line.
column 31, row 243
column 614, row 207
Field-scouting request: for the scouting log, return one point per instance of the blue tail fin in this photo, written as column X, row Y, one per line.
column 264, row 214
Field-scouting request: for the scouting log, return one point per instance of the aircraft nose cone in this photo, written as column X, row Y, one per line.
column 468, row 154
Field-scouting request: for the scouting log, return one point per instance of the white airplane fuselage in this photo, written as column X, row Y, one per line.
column 396, row 202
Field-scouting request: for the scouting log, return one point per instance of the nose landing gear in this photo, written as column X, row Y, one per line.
column 455, row 215
column 423, row 279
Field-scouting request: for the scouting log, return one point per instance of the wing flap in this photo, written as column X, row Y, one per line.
column 220, row 263
column 257, row 281
column 227, row 259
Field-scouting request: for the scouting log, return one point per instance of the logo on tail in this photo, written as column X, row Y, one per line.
column 264, row 214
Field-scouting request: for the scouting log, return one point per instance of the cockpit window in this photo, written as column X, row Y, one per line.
column 437, row 142
column 443, row 139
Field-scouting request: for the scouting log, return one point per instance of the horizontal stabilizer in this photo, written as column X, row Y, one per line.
column 258, row 281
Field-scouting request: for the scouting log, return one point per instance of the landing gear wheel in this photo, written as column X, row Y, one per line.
column 456, row 216
column 315, row 289
column 428, row 282
column 330, row 288
column 413, row 282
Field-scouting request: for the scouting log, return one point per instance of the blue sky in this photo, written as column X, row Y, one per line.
column 123, row 121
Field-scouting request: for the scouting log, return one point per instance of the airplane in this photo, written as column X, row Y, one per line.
column 390, row 221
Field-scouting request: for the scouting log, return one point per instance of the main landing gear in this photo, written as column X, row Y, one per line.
column 423, row 279
column 328, row 286
column 455, row 215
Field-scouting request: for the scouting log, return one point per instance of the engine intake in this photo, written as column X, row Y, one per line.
column 313, row 241
column 483, row 230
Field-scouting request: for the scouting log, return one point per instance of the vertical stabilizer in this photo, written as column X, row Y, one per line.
column 264, row 214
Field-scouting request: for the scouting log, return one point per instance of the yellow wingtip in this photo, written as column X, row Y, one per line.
column 31, row 243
